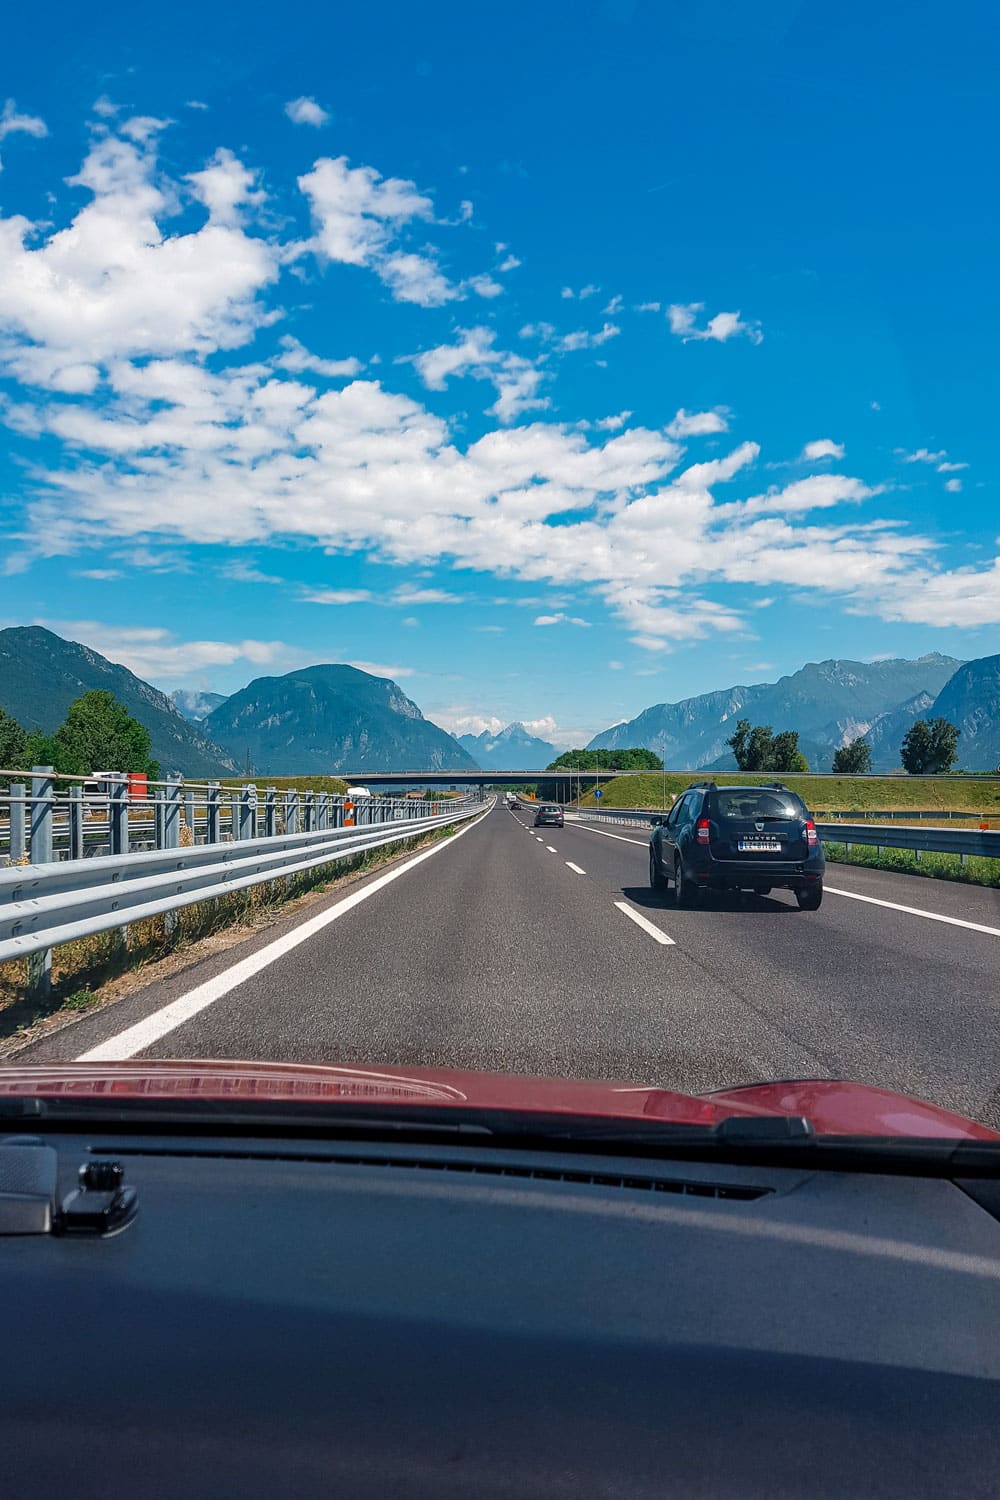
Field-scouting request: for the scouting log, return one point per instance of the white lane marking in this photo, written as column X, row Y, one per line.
column 645, row 924
column 538, row 836
column 575, row 868
column 144, row 1033
column 550, row 848
column 914, row 911
column 619, row 836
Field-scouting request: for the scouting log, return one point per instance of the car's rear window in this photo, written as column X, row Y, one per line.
column 550, row 809
column 750, row 803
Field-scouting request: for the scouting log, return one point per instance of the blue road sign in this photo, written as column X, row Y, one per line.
column 598, row 793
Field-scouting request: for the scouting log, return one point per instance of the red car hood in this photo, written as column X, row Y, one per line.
column 834, row 1106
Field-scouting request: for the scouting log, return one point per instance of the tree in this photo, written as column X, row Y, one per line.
column 757, row 748
column 13, row 743
column 930, row 747
column 100, row 735
column 854, row 759
column 606, row 760
column 739, row 743
column 40, row 749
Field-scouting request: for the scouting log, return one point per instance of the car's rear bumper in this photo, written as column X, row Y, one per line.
column 726, row 874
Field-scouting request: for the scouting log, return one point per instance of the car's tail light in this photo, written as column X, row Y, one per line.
column 812, row 837
column 702, row 831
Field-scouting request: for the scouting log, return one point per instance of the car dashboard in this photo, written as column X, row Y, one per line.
column 371, row 1318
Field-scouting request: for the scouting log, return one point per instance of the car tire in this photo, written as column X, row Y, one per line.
column 685, row 894
column 811, row 898
column 657, row 879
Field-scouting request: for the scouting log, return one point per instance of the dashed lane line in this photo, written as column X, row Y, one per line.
column 647, row 926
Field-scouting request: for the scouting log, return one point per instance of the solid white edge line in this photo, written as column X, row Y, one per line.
column 645, row 924
column 144, row 1033
column 914, row 911
column 575, row 868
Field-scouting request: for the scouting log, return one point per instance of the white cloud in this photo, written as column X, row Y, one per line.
column 244, row 572
column 154, row 653
column 648, row 306
column 953, row 486
column 822, row 448
column 567, row 293
column 725, row 325
column 99, row 575
column 112, row 285
column 491, row 629
column 588, row 291
column 406, row 594
column 335, row 596
column 561, row 619
column 295, row 357
column 612, row 424
column 615, row 666
column 614, row 306
column 516, row 380
column 416, row 278
column 484, row 286
column 950, row 468
column 509, row 263
column 305, row 111
column 460, row 720
column 697, row 423
column 582, row 339
column 14, row 123
column 921, row 456
column 194, row 104
column 380, row 669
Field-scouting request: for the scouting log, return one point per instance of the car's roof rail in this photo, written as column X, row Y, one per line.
column 696, row 784
column 778, row 786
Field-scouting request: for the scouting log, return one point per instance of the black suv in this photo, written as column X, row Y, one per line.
column 746, row 838
column 549, row 814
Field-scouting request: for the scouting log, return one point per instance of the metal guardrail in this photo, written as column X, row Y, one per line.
column 44, row 816
column 44, row 905
column 961, row 841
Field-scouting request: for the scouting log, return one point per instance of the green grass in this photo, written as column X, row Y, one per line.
column 975, row 871
column 820, row 793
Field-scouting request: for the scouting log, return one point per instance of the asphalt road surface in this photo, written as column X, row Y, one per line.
column 546, row 952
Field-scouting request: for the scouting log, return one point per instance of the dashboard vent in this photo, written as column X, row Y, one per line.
column 685, row 1186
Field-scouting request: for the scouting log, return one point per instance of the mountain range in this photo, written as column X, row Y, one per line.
column 829, row 703
column 512, row 749
column 194, row 704
column 41, row 674
column 331, row 718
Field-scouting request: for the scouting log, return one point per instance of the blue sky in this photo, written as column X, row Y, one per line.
column 556, row 360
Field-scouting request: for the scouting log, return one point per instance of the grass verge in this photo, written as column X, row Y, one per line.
column 821, row 794
column 99, row 970
column 975, row 871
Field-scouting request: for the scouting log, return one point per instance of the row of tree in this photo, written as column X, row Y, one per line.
column 99, row 734
column 757, row 748
column 606, row 760
column 929, row 748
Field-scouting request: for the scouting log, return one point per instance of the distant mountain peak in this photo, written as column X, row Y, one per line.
column 513, row 748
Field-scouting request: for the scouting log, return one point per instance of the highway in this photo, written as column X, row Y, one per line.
column 545, row 952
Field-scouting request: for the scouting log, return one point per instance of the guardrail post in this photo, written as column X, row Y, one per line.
column 40, row 964
column 41, row 815
column 189, row 811
column 159, row 801
column 118, row 816
column 337, row 805
column 322, row 811
column 172, row 813
column 213, row 803
column 74, row 813
column 291, row 811
column 270, row 812
column 235, row 805
column 18, row 830
column 248, row 812
column 308, row 811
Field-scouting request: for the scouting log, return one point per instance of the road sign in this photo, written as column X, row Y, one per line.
column 598, row 794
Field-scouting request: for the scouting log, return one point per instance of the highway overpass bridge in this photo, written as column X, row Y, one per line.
column 476, row 778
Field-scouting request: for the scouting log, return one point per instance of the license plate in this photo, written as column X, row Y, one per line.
column 759, row 846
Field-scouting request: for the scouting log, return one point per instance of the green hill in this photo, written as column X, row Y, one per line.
column 41, row 675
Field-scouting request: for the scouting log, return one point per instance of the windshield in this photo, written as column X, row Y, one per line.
column 498, row 553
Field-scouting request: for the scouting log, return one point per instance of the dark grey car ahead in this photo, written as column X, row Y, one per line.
column 747, row 838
